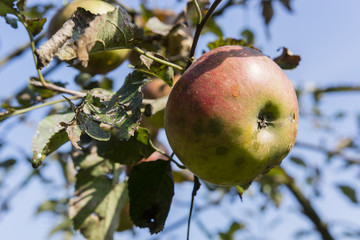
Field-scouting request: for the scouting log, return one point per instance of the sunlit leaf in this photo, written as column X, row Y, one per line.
column 156, row 69
column 50, row 135
column 228, row 41
column 287, row 60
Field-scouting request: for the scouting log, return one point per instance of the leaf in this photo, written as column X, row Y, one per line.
column 286, row 4
column 159, row 70
column 85, row 33
column 242, row 188
column 287, row 60
column 249, row 36
column 228, row 41
column 105, row 113
column 230, row 234
column 50, row 135
column 298, row 161
column 35, row 25
column 12, row 21
column 151, row 189
column 349, row 192
column 158, row 27
column 127, row 152
column 213, row 27
column 97, row 204
column 8, row 164
column 267, row 11
column 7, row 7
column 65, row 225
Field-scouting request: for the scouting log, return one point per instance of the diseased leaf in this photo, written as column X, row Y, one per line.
column 152, row 68
column 50, row 135
column 287, row 60
column 228, row 41
column 127, row 152
column 35, row 25
column 151, row 189
column 85, row 33
column 349, row 192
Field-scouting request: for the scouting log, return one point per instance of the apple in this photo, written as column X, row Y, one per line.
column 232, row 116
column 99, row 63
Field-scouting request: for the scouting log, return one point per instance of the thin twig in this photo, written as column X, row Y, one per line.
column 193, row 194
column 156, row 59
column 328, row 152
column 58, row 89
column 25, row 110
column 199, row 28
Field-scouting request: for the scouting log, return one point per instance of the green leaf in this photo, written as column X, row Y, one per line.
column 8, row 164
column 248, row 35
column 35, row 25
column 7, row 7
column 230, row 234
column 153, row 68
column 97, row 204
column 213, row 27
column 65, row 225
column 286, row 4
column 151, row 189
column 12, row 21
column 228, row 41
column 349, row 192
column 267, row 11
column 298, row 161
column 127, row 152
column 50, row 135
column 287, row 60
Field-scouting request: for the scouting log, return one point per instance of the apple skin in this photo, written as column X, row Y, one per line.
column 232, row 116
column 99, row 63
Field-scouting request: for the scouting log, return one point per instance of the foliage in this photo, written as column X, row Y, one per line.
column 107, row 167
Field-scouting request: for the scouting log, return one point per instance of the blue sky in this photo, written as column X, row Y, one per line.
column 324, row 33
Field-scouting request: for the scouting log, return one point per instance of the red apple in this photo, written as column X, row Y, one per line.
column 232, row 116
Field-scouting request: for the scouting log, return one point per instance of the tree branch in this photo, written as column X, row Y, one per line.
column 307, row 208
column 58, row 89
column 328, row 152
column 199, row 28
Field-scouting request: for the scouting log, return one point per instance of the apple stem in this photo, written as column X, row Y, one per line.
column 199, row 28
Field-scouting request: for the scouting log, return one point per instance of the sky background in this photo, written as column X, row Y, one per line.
column 325, row 33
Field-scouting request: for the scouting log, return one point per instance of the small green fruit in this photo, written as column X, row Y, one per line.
column 232, row 116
